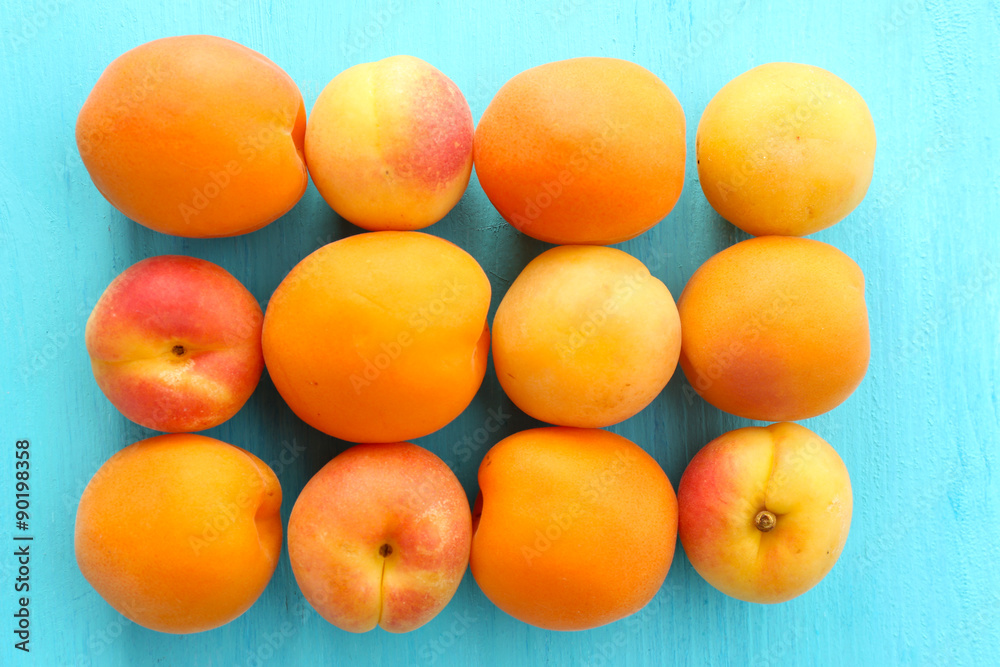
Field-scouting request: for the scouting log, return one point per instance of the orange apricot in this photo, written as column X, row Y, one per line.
column 379, row 337
column 775, row 328
column 573, row 528
column 586, row 150
column 195, row 136
column 180, row 533
column 785, row 149
column 585, row 337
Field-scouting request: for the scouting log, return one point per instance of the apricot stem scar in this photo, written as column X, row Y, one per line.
column 385, row 550
column 178, row 350
column 765, row 521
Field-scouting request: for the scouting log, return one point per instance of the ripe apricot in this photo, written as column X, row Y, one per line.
column 195, row 136
column 586, row 150
column 573, row 528
column 180, row 533
column 380, row 537
column 764, row 513
column 785, row 149
column 174, row 343
column 379, row 337
column 775, row 328
column 585, row 337
column 389, row 144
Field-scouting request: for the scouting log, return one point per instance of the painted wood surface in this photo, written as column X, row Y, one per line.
column 918, row 581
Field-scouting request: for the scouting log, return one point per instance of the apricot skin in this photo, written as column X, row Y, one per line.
column 195, row 136
column 775, row 328
column 389, row 144
column 380, row 536
column 379, row 337
column 586, row 150
column 784, row 469
column 180, row 533
column 156, row 305
column 785, row 149
column 585, row 337
column 573, row 529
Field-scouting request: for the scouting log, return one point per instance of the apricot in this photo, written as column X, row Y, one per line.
column 379, row 337
column 785, row 149
column 585, row 336
column 174, row 343
column 389, row 144
column 380, row 537
column 195, row 136
column 775, row 328
column 573, row 528
column 587, row 150
column 180, row 533
column 764, row 513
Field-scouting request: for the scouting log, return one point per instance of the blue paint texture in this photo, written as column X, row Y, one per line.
column 917, row 582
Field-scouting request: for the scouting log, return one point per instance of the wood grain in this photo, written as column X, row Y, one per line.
column 917, row 583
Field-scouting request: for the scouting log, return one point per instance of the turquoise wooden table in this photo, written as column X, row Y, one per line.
column 917, row 582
